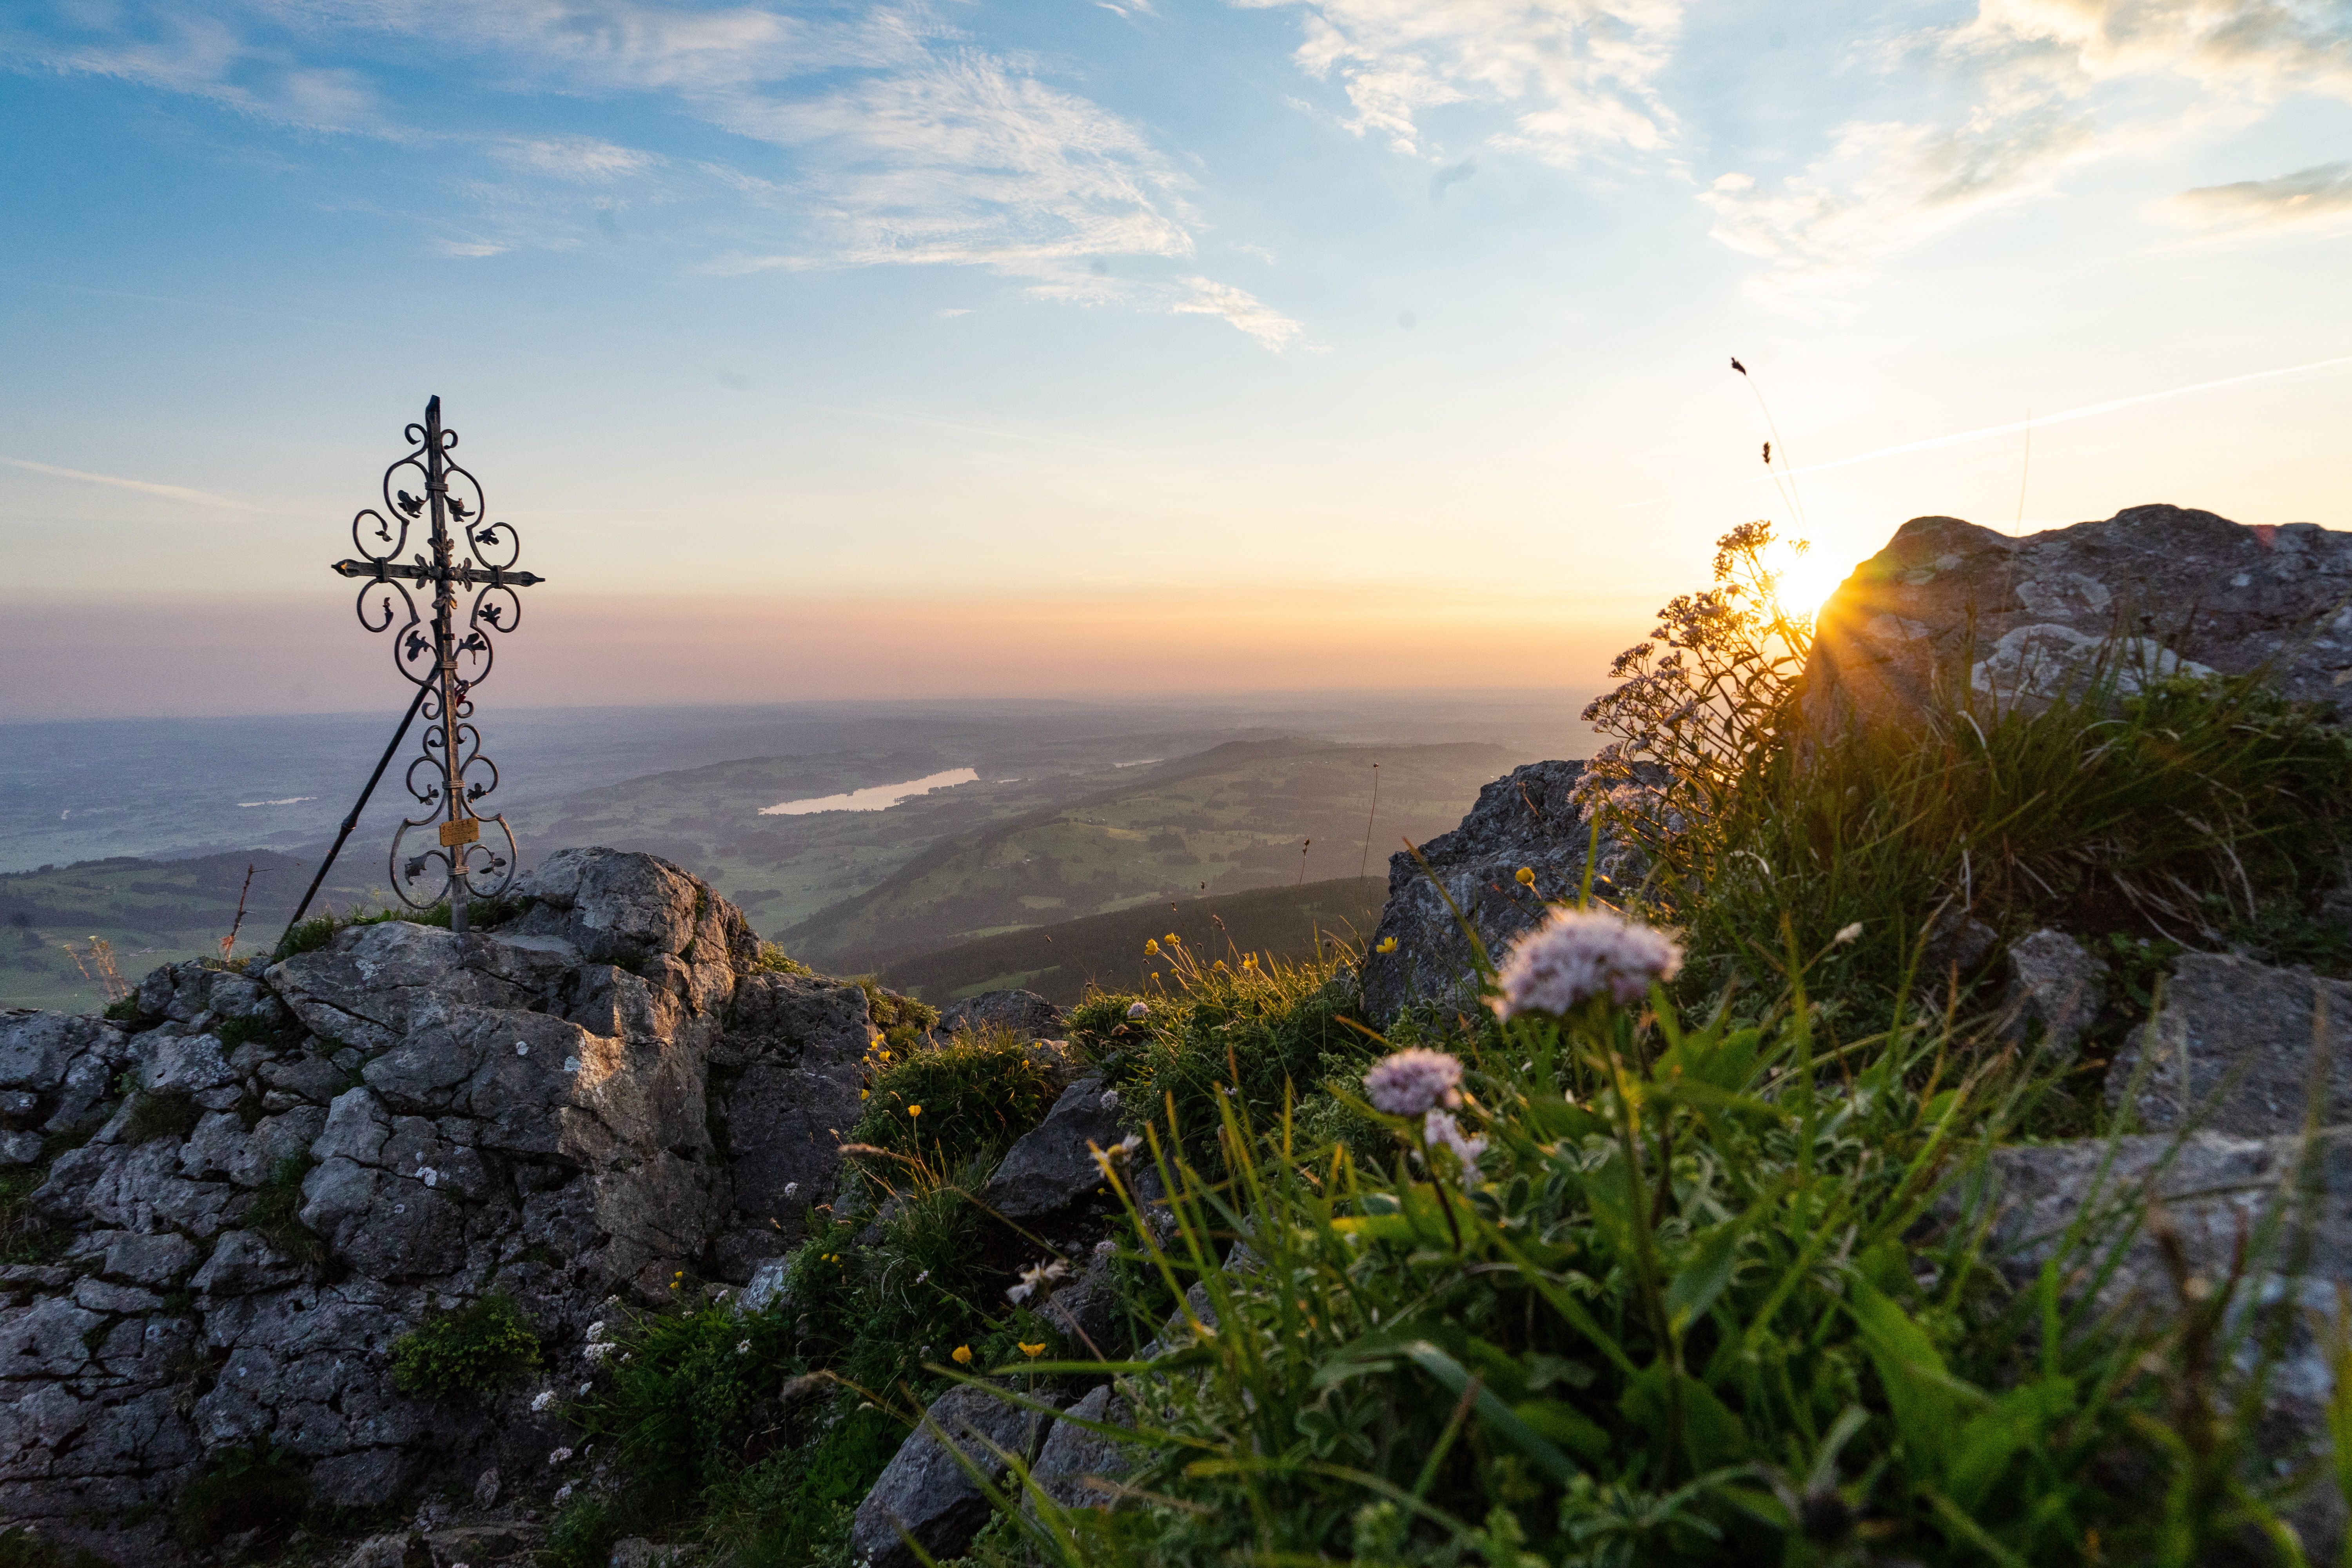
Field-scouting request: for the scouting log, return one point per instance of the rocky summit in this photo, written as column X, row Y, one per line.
column 270, row 1177
column 1952, row 607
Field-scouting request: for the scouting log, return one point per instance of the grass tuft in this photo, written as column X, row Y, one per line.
column 484, row 1346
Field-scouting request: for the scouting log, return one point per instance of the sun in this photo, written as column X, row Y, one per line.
column 1807, row 581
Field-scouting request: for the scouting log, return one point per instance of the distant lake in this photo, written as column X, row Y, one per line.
column 878, row 797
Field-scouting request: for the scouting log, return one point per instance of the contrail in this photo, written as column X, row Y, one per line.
column 2085, row 412
column 171, row 492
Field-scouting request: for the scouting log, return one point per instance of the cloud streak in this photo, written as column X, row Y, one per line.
column 2088, row 411
column 1580, row 75
column 2316, row 196
column 2048, row 85
column 144, row 486
column 908, row 145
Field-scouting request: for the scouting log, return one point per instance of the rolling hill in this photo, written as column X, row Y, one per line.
column 1239, row 816
column 1058, row 961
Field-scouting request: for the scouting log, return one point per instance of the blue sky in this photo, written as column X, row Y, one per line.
column 1079, row 347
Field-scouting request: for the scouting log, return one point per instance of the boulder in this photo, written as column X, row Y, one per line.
column 926, row 1494
column 547, row 1110
column 1074, row 1456
column 2055, row 989
column 1023, row 1013
column 2214, row 1194
column 2233, row 1051
column 1526, row 819
column 1051, row 1171
column 1950, row 610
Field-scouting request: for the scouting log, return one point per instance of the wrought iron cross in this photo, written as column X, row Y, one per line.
column 445, row 660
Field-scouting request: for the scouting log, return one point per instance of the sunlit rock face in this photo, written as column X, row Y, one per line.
column 584, row 1103
column 1525, row 820
column 1951, row 611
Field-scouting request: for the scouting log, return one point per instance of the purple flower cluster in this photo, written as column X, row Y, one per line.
column 1582, row 953
column 1410, row 1082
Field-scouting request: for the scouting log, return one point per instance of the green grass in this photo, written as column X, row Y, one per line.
column 2202, row 814
column 1064, row 961
column 239, row 1489
column 976, row 1094
column 486, row 1346
column 169, row 1115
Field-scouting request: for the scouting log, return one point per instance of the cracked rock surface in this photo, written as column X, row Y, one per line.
column 1951, row 606
column 278, row 1174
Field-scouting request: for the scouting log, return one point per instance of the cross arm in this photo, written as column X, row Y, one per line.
column 467, row 575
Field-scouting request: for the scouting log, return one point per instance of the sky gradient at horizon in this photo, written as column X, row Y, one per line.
column 1083, row 347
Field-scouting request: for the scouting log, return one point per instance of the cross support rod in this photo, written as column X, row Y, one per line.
column 353, row 819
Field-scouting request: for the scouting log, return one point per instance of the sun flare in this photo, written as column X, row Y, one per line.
column 1807, row 581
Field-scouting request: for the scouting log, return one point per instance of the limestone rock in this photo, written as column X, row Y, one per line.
column 1090, row 1311
column 621, row 908
column 2055, row 989
column 547, row 1109
column 1949, row 607
column 2232, row 1050
column 402, row 1549
column 926, row 1493
column 1522, row 820
column 1051, row 1170
column 1072, row 1454
column 2214, row 1192
column 1023, row 1013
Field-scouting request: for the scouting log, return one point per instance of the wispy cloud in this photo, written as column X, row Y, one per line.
column 584, row 159
column 1578, row 76
column 144, row 486
column 908, row 145
column 2047, row 85
column 2320, row 196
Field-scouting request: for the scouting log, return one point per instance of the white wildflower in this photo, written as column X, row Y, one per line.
column 1105, row 1247
column 792, row 1189
column 427, row 1174
column 1037, row 1279
column 522, row 1048
column 1138, row 1011
column 924, row 1277
column 545, row 1399
column 1846, row 934
column 1444, row 1132
column 1582, row 953
column 596, row 1332
column 1408, row 1082
column 559, row 1455
column 598, row 1350
column 742, row 1347
column 563, row 1494
column 1105, row 1159
column 1111, row 1100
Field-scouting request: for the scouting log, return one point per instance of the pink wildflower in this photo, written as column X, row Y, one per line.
column 1582, row 953
column 1409, row 1082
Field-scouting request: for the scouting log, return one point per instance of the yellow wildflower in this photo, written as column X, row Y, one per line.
column 1033, row 1351
column 914, row 1110
column 1174, row 938
column 1152, row 947
column 1527, row 876
column 864, row 1092
column 961, row 1357
column 1387, row 945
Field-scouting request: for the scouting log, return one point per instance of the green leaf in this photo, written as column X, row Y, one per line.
column 1712, row 1436
column 1492, row 1411
column 1564, row 1423
column 1926, row 1408
column 1705, row 1276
